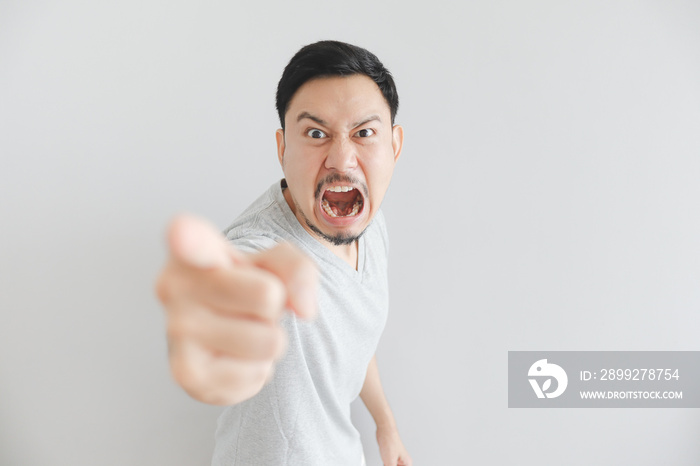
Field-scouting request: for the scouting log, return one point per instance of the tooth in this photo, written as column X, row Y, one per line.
column 339, row 189
column 327, row 208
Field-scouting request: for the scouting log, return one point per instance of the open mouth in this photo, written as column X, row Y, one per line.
column 342, row 201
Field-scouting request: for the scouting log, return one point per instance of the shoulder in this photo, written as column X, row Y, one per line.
column 377, row 234
column 379, row 222
column 258, row 226
column 254, row 242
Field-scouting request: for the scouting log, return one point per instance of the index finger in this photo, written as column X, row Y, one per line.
column 195, row 242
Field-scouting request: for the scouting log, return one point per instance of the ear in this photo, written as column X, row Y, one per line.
column 279, row 135
column 397, row 141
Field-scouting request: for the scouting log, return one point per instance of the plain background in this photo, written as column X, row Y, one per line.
column 547, row 199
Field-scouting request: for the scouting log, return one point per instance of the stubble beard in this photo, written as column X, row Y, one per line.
column 340, row 239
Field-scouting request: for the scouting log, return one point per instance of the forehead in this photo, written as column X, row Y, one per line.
column 339, row 99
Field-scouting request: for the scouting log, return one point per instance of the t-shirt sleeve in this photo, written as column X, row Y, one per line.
column 252, row 244
column 381, row 228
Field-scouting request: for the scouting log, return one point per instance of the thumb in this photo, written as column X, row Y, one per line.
column 298, row 273
column 196, row 242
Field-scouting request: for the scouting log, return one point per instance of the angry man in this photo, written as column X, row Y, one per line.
column 315, row 244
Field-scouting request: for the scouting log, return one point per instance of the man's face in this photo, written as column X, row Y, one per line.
column 338, row 152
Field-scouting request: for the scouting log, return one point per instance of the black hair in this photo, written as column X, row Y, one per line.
column 329, row 58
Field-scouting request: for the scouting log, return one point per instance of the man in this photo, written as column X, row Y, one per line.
column 289, row 380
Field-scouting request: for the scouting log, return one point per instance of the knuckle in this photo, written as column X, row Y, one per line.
column 307, row 266
column 223, row 393
column 262, row 375
column 164, row 291
column 187, row 375
column 180, row 328
column 219, row 398
column 295, row 257
column 287, row 248
column 269, row 294
column 270, row 344
column 260, row 379
column 172, row 284
column 235, row 386
column 281, row 342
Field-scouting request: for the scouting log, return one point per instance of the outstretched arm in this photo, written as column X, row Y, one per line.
column 391, row 448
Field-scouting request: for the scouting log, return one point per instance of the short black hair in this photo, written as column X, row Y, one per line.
column 329, row 58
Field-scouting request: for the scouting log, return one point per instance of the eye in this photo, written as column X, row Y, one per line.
column 365, row 133
column 316, row 133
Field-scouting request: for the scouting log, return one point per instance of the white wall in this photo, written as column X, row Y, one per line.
column 547, row 199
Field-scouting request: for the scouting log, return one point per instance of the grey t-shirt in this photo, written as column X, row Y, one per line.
column 302, row 416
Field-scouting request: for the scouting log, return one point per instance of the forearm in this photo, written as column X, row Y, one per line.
column 372, row 395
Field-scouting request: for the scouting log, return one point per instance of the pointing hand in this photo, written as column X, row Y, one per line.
column 223, row 309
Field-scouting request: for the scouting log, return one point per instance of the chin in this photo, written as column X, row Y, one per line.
column 343, row 238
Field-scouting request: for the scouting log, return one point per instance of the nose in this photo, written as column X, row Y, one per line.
column 342, row 155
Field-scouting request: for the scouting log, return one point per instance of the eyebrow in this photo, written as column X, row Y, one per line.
column 318, row 120
column 367, row 120
column 321, row 121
